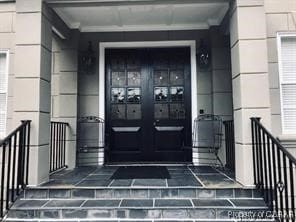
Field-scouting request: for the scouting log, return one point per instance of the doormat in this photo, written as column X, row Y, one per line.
column 141, row 172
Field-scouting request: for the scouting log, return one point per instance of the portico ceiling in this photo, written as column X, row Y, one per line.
column 140, row 15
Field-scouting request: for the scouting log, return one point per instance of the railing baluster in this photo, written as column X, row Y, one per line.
column 14, row 167
column 257, row 156
column 260, row 160
column 286, row 185
column 53, row 147
column 19, row 165
column 265, row 168
column 64, row 144
column 269, row 174
column 280, row 179
column 24, row 139
column 254, row 151
column 28, row 151
column 291, row 169
column 60, row 145
column 2, row 178
column 274, row 177
column 8, row 173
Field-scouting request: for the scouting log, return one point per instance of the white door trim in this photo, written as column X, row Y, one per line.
column 148, row 44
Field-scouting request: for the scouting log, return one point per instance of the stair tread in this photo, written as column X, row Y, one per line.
column 25, row 204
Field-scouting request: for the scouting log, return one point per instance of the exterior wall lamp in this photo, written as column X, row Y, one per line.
column 87, row 60
column 203, row 56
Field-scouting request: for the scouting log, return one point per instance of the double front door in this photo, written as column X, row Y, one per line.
column 148, row 105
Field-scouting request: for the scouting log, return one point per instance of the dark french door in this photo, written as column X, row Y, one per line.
column 148, row 105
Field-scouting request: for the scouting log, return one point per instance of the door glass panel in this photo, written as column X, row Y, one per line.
column 161, row 93
column 161, row 111
column 118, row 79
column 118, row 95
column 117, row 63
column 118, row 111
column 177, row 77
column 134, row 78
column 160, row 77
column 134, row 111
column 134, row 95
column 177, row 111
column 177, row 93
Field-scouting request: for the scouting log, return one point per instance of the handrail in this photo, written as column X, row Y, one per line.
column 58, row 135
column 289, row 155
column 274, row 172
column 14, row 152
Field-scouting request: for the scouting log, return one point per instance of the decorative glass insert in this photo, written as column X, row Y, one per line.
column 133, row 63
column 161, row 111
column 177, row 93
column 161, row 93
column 134, row 78
column 134, row 95
column 118, row 95
column 118, row 79
column 161, row 77
column 177, row 77
column 117, row 63
column 177, row 111
column 118, row 111
column 134, row 111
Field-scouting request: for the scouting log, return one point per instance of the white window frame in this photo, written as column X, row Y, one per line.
column 6, row 52
column 281, row 35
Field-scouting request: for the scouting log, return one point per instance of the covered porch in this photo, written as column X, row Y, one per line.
column 67, row 93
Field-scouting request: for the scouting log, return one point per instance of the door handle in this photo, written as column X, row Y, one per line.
column 156, row 121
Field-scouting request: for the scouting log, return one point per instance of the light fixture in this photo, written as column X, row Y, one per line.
column 203, row 56
column 87, row 60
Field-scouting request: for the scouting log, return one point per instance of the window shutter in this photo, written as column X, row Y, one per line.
column 3, row 93
column 288, row 83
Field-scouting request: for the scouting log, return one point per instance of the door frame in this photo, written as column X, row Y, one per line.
column 147, row 44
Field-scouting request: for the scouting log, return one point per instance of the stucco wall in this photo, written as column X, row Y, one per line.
column 7, row 41
column 280, row 17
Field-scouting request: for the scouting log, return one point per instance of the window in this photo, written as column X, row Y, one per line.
column 287, row 70
column 3, row 91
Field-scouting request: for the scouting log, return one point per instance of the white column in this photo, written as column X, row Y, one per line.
column 68, row 93
column 32, row 82
column 249, row 79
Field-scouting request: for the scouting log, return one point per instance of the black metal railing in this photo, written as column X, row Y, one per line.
column 58, row 134
column 229, row 144
column 14, row 153
column 274, row 172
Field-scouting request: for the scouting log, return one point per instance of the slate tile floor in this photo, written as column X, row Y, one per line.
column 181, row 176
column 191, row 193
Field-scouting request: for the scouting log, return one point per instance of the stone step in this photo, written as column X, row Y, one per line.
column 25, row 204
column 139, row 214
column 95, row 193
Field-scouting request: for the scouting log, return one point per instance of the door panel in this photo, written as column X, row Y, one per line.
column 171, row 109
column 148, row 104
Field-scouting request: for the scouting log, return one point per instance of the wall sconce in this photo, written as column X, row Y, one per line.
column 203, row 56
column 87, row 60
